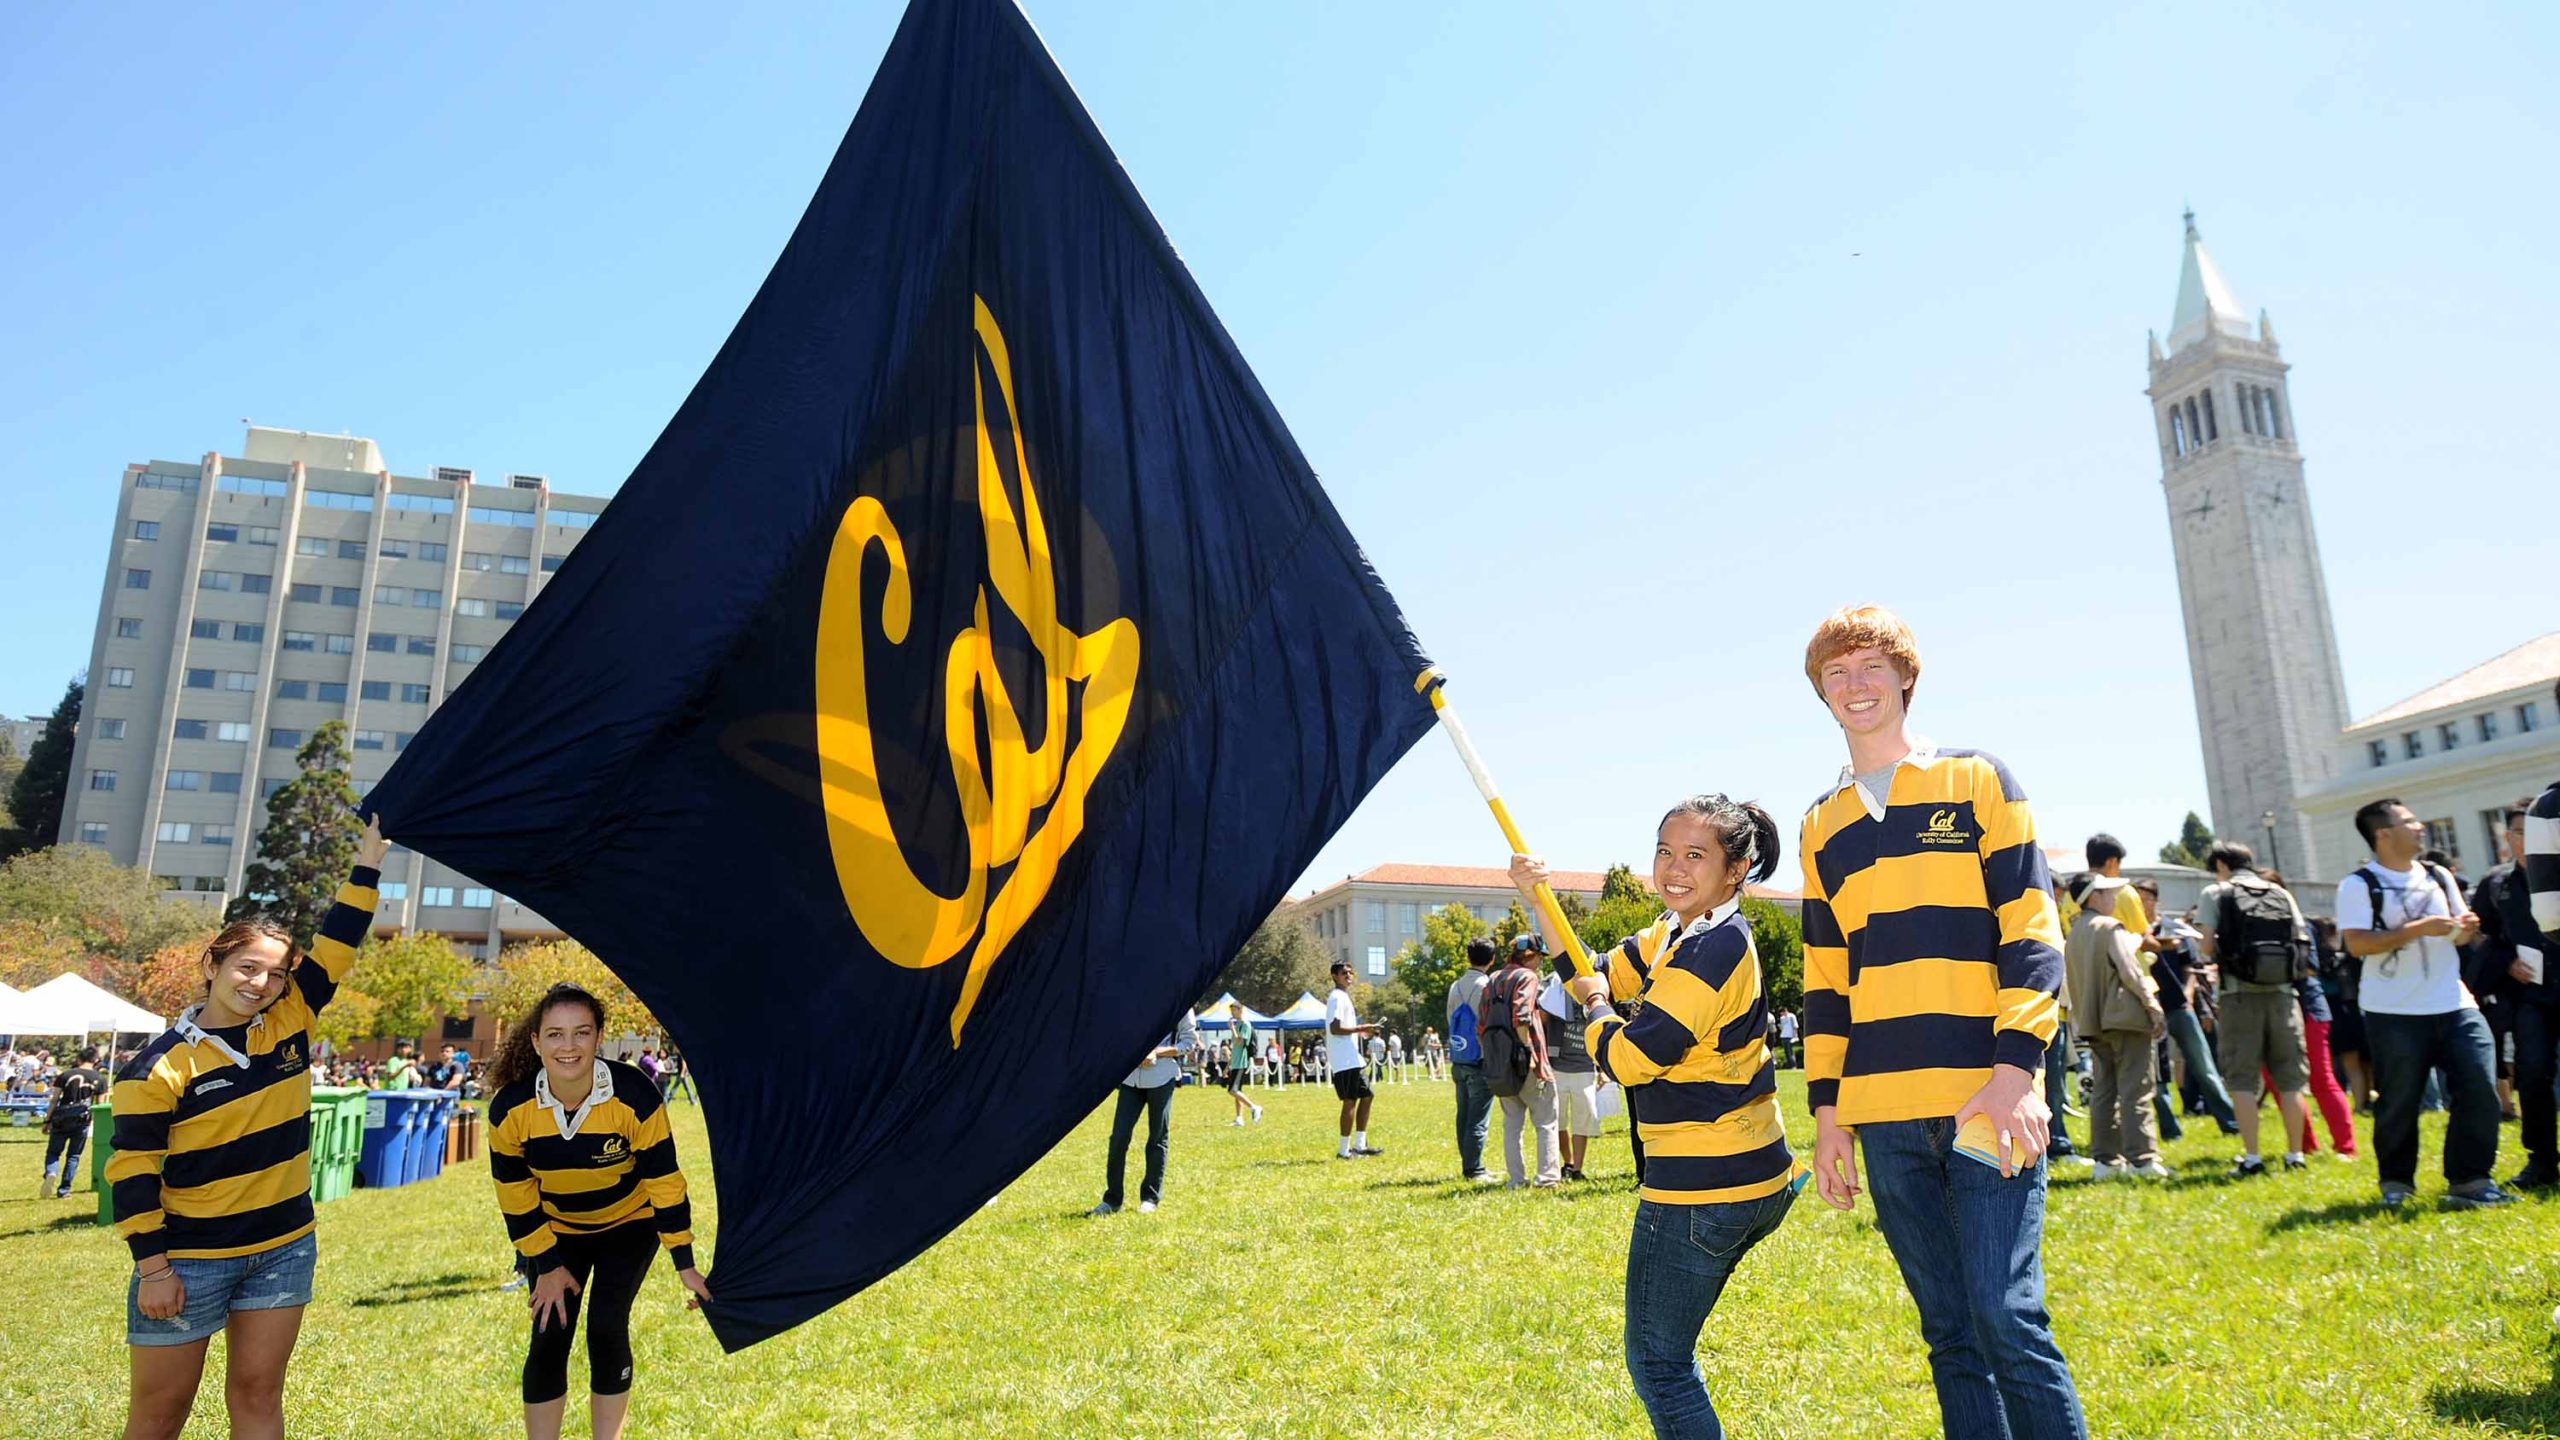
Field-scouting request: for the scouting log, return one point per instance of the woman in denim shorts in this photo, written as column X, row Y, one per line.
column 212, row 1170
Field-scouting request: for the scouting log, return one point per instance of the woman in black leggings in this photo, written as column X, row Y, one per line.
column 587, row 1178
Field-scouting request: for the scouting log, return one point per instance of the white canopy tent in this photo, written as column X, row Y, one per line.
column 70, row 1005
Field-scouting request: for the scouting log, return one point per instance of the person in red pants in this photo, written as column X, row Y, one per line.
column 2325, row 1090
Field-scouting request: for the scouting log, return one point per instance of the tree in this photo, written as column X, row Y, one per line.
column 526, row 971
column 36, row 795
column 173, row 978
column 1626, row 906
column 1279, row 962
column 352, row 1016
column 411, row 979
column 1779, row 939
column 309, row 844
column 12, row 765
column 116, row 917
column 1429, row 966
column 2195, row 838
column 1396, row 1010
column 34, row 951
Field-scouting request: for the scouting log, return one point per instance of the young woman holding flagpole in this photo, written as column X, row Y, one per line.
column 587, row 1179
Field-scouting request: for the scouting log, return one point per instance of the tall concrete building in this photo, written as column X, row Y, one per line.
column 248, row 600
column 2270, row 697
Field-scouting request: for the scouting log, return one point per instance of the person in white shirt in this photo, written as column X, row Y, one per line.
column 2404, row 919
column 1342, row 1035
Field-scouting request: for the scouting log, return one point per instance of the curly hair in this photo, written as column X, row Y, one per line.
column 1862, row 627
column 516, row 1060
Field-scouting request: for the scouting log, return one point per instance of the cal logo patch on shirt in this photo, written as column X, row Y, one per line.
column 614, row 1149
column 1948, row 827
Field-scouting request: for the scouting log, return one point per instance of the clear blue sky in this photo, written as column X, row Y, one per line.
column 1630, row 339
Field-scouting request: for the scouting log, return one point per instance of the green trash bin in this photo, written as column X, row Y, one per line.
column 337, row 1130
column 102, row 1134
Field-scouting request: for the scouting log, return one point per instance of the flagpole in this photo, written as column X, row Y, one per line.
column 1435, row 685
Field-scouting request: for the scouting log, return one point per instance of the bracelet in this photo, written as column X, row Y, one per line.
column 163, row 1273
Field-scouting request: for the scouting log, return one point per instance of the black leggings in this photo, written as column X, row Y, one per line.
column 608, row 1267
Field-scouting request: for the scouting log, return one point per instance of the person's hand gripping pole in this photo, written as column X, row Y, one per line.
column 1432, row 683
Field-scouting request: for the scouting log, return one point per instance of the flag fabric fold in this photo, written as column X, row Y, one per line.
column 968, row 668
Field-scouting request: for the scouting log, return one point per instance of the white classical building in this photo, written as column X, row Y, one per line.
column 2284, row 770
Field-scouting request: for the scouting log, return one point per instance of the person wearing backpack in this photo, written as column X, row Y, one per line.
column 1516, row 1066
column 2261, row 944
column 2404, row 919
column 1466, row 1059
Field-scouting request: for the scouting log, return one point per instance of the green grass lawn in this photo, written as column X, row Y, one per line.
column 1280, row 1292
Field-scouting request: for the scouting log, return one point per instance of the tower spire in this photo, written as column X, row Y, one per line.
column 2205, row 305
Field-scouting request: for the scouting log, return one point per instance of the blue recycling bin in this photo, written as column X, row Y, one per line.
column 391, row 1122
column 431, row 1112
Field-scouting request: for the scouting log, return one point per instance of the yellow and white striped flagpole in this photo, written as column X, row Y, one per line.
column 1435, row 684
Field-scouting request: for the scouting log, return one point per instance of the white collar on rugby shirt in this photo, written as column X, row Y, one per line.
column 570, row 1120
column 189, row 1030
column 1923, row 754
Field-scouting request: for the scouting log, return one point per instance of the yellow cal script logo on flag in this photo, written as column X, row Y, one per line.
column 906, row 920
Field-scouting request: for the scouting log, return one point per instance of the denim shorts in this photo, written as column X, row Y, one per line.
column 275, row 1279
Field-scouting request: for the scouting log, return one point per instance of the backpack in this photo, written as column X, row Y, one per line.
column 1505, row 1066
column 2373, row 892
column 2258, row 940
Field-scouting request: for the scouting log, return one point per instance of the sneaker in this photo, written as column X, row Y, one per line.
column 1239, row 1120
column 2073, row 1161
column 1146, row 1207
column 2149, row 1170
column 1572, row 1172
column 2347, row 1157
column 2534, row 1177
column 1257, row 1113
column 1367, row 1150
column 2485, row 1197
column 62, row 1194
column 2248, row 1167
column 2228, row 1128
column 1105, row 1208
column 2397, row 1197
column 2295, row 1162
column 2106, row 1170
column 1485, row 1177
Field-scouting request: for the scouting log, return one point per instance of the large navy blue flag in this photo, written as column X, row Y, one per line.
column 965, row 672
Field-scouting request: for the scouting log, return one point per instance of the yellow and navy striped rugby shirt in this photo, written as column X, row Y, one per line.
column 213, row 1127
column 1695, row 1059
column 1931, row 952
column 609, row 1162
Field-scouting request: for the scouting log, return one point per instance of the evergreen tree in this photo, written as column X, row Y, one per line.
column 309, row 843
column 2195, row 838
column 36, row 796
column 1279, row 962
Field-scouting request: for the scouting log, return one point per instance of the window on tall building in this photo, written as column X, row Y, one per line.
column 394, row 549
column 303, row 591
column 346, row 595
column 515, row 564
column 176, row 832
column 146, row 529
column 184, row 780
column 218, row 533
column 250, row 485
column 413, row 694
column 469, row 654
column 93, row 832
column 338, row 644
column 330, row 692
column 475, row 898
column 234, row 730
column 422, row 644
column 2377, row 752
column 471, row 607
column 119, row 678
column 196, row 629
column 479, row 560
column 128, row 627
column 137, row 579
column 316, row 545
column 390, row 594
column 576, row 519
column 551, row 563
column 102, row 779
column 510, row 610
column 392, row 890
column 187, row 730
column 154, row 480
column 432, row 550
column 401, row 740
column 223, row 782
column 427, row 599
column 252, row 583
column 111, row 729
column 374, row 690
column 371, row 740
column 213, row 835
column 382, row 644
column 350, row 549
column 293, row 689
column 336, row 500
column 435, row 895
column 248, row 632
column 244, row 682
column 284, row 739
column 217, row 580
column 301, row 640
column 268, row 787
column 423, row 504
column 261, row 535
column 492, row 515
column 199, row 679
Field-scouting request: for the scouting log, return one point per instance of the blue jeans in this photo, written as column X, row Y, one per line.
column 2408, row 1051
column 1475, row 1109
column 277, row 1279
column 2061, row 1059
column 1678, row 1260
column 1157, row 1102
column 1968, row 1244
column 2203, row 1075
column 62, row 1148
